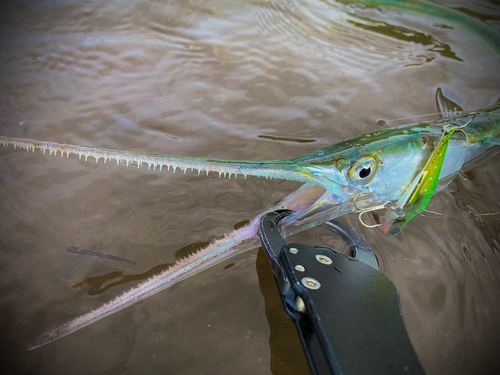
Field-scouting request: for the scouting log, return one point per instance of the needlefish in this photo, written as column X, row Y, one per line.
column 396, row 170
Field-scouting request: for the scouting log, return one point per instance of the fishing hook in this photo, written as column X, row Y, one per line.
column 460, row 128
column 387, row 204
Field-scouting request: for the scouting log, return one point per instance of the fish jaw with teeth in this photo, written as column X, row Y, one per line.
column 379, row 167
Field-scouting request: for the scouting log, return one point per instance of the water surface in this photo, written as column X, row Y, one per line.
column 233, row 80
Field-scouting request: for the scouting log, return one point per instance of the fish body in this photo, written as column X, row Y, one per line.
column 380, row 163
column 384, row 162
column 378, row 167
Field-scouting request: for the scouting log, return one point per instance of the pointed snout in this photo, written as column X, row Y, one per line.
column 330, row 178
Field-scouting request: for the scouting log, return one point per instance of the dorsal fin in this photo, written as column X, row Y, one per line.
column 448, row 102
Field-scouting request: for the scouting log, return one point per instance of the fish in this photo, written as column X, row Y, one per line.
column 365, row 173
column 79, row 250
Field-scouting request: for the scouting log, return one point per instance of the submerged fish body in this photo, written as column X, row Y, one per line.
column 378, row 167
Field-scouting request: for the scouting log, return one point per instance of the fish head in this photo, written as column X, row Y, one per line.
column 381, row 165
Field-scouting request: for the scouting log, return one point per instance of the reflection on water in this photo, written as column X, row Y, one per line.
column 285, row 139
column 232, row 80
column 407, row 35
column 470, row 197
column 283, row 339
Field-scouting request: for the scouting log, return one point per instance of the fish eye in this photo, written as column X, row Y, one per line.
column 363, row 170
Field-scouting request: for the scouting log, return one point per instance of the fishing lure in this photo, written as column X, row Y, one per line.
column 416, row 198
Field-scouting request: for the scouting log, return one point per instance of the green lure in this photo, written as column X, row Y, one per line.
column 418, row 195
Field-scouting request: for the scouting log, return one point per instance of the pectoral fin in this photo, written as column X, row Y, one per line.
column 448, row 102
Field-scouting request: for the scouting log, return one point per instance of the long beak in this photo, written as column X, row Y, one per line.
column 329, row 177
column 327, row 207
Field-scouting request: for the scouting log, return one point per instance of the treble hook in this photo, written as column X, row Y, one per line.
column 392, row 206
column 461, row 129
column 356, row 197
column 468, row 122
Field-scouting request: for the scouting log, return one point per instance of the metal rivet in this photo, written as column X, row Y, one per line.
column 310, row 283
column 323, row 259
column 293, row 250
column 300, row 304
column 300, row 268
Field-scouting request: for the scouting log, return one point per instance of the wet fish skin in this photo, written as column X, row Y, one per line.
column 399, row 154
column 331, row 167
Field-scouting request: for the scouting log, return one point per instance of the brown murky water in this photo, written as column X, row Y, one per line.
column 254, row 79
